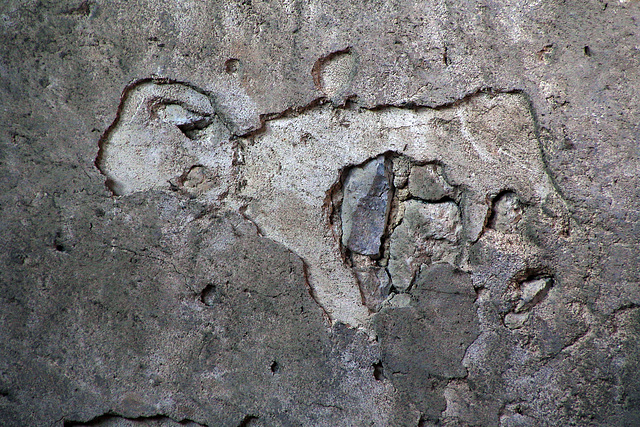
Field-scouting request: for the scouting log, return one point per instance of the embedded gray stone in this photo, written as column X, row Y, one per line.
column 532, row 292
column 515, row 320
column 507, row 212
column 427, row 183
column 428, row 233
column 365, row 206
column 179, row 116
column 374, row 285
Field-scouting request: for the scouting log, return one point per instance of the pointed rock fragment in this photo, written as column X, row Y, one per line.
column 365, row 206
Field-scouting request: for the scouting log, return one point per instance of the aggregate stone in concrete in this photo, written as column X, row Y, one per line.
column 428, row 233
column 365, row 207
column 427, row 183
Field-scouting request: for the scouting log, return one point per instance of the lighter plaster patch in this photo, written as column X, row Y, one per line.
column 170, row 135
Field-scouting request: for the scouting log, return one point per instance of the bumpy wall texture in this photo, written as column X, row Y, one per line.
column 324, row 214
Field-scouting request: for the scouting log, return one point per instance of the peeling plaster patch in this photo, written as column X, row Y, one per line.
column 390, row 210
column 433, row 171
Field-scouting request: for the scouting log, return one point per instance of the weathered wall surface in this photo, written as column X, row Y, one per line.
column 314, row 213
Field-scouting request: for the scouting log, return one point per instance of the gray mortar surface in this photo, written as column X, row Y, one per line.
column 172, row 176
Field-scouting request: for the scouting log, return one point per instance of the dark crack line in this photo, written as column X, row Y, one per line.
column 105, row 417
column 312, row 292
column 327, row 405
column 184, row 276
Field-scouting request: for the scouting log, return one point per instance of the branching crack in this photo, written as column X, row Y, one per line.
column 155, row 258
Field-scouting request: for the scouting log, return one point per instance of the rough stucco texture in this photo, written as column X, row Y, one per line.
column 255, row 213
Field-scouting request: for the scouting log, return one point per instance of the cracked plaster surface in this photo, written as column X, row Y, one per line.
column 101, row 303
